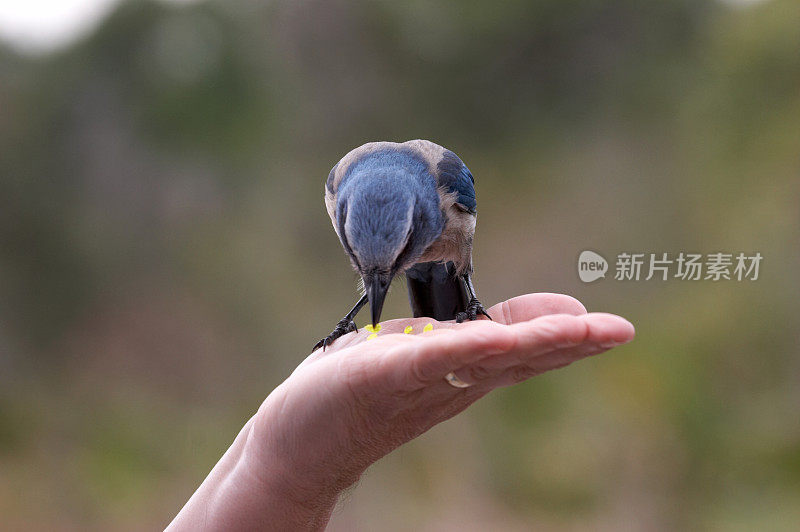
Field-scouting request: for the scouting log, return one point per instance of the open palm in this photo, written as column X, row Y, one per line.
column 344, row 408
column 367, row 394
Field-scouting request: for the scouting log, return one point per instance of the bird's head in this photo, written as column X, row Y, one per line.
column 385, row 228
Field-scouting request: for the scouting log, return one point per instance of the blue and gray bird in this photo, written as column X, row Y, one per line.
column 406, row 208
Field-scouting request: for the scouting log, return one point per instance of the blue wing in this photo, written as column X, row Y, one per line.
column 454, row 176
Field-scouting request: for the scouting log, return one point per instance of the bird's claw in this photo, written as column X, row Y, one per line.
column 344, row 326
column 474, row 308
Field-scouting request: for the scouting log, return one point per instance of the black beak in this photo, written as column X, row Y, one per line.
column 376, row 287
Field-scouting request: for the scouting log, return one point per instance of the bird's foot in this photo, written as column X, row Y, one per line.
column 344, row 326
column 474, row 308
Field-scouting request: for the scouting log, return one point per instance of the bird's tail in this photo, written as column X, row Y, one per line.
column 435, row 291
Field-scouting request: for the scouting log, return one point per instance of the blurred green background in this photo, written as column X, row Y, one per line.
column 167, row 260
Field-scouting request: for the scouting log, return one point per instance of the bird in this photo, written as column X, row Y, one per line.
column 406, row 208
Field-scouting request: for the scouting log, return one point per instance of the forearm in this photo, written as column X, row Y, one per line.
column 241, row 495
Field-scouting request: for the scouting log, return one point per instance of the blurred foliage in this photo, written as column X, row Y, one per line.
column 166, row 258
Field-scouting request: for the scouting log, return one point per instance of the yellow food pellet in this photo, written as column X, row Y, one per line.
column 372, row 329
column 408, row 330
column 428, row 327
column 372, row 336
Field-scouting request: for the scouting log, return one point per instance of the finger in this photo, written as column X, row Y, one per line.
column 429, row 360
column 608, row 330
column 414, row 365
column 503, row 374
column 530, row 306
column 548, row 343
column 517, row 309
column 542, row 364
column 528, row 340
column 559, row 331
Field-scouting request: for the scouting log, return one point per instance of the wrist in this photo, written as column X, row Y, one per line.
column 245, row 493
column 297, row 504
column 281, row 493
column 310, row 457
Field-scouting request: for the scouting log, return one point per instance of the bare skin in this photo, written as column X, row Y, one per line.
column 346, row 407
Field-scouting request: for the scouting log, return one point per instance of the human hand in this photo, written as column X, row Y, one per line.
column 343, row 409
column 346, row 407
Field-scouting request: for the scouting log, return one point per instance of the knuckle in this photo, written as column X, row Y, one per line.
column 418, row 372
column 415, row 371
column 479, row 373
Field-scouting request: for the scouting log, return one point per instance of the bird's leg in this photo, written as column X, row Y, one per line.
column 344, row 326
column 474, row 307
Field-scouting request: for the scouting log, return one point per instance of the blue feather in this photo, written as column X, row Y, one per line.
column 454, row 176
